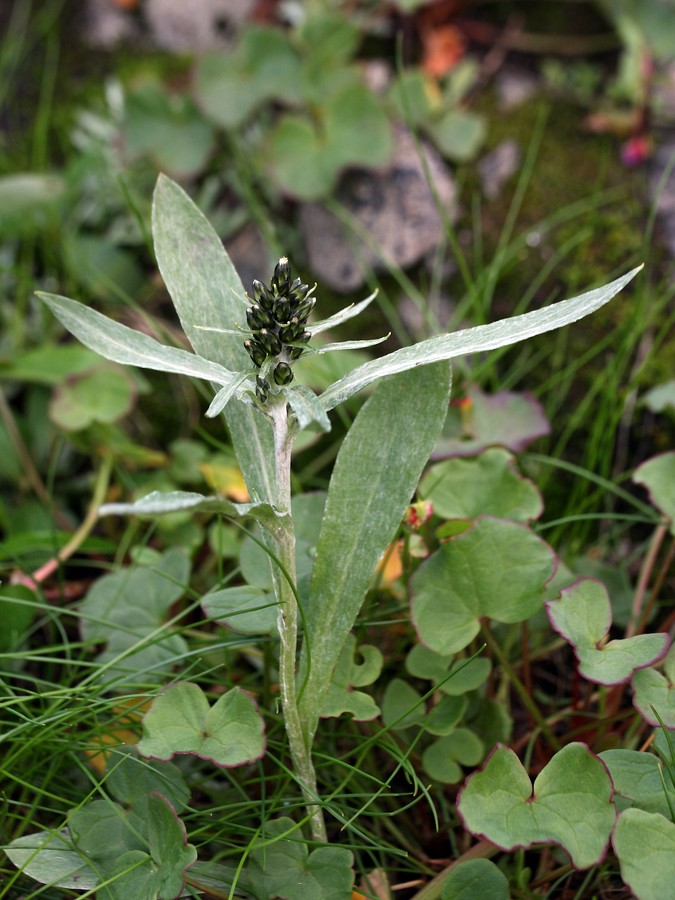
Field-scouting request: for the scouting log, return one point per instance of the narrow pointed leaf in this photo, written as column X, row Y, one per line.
column 306, row 408
column 207, row 291
column 224, row 396
column 160, row 503
column 350, row 345
column 343, row 316
column 474, row 340
column 130, row 347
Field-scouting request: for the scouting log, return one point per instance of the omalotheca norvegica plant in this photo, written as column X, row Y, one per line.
column 376, row 472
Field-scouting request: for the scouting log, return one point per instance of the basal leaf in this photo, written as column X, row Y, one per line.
column 349, row 674
column 487, row 484
column 645, row 845
column 50, row 858
column 658, row 476
column 652, row 689
column 570, row 803
column 284, row 868
column 229, row 733
column 582, row 614
column 497, row 568
column 639, row 781
column 475, row 878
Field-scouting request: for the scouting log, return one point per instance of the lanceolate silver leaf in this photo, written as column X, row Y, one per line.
column 130, row 347
column 160, row 503
column 473, row 340
column 347, row 313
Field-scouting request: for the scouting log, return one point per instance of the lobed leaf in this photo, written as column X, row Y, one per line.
column 487, row 484
column 180, row 720
column 570, row 803
column 638, row 781
column 283, row 867
column 582, row 614
column 475, row 878
column 652, row 689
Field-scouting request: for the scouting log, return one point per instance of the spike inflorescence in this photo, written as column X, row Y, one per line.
column 277, row 317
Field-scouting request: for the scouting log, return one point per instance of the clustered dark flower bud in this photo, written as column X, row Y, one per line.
column 277, row 317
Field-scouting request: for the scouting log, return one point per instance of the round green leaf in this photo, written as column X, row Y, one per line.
column 103, row 394
column 570, row 803
column 497, row 568
column 652, row 689
column 487, row 484
column 246, row 609
column 168, row 129
column 458, row 134
column 299, row 161
column 443, row 758
column 638, row 781
column 645, row 845
column 401, row 706
column 658, row 476
column 475, row 878
column 230, row 733
column 357, row 129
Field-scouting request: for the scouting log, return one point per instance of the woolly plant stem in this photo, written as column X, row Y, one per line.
column 284, row 577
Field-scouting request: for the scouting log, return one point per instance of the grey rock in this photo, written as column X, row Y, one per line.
column 196, row 25
column 174, row 25
column 497, row 167
column 394, row 219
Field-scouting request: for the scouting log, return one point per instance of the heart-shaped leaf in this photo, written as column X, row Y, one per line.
column 650, row 688
column 229, row 733
column 570, row 803
column 497, row 568
column 583, row 616
column 349, row 674
column 284, row 869
column 487, row 484
column 645, row 845
column 126, row 610
column 443, row 759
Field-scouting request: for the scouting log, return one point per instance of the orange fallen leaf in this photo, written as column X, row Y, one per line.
column 226, row 480
column 444, row 47
column 124, row 728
